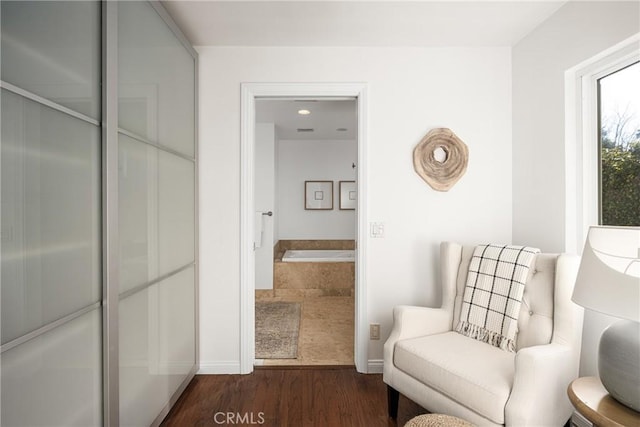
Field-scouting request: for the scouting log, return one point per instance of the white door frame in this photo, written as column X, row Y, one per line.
column 249, row 93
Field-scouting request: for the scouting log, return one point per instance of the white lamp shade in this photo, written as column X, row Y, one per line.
column 609, row 276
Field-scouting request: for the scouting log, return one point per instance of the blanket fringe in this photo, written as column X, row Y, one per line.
column 484, row 335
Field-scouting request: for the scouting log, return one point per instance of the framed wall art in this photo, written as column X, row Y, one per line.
column 318, row 195
column 348, row 195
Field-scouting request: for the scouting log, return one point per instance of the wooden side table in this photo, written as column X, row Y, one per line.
column 592, row 401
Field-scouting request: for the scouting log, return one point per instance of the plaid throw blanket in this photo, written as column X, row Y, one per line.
column 493, row 294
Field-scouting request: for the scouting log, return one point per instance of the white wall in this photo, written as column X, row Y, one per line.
column 578, row 31
column 300, row 161
column 265, row 193
column 411, row 90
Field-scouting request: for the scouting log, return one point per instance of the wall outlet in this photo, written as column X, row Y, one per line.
column 374, row 331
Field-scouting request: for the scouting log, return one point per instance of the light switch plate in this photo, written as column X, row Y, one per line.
column 376, row 230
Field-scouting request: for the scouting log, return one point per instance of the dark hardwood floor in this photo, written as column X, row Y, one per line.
column 281, row 397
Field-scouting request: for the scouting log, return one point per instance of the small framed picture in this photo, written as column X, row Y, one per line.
column 348, row 195
column 318, row 195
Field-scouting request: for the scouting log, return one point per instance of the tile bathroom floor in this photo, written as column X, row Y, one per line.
column 326, row 331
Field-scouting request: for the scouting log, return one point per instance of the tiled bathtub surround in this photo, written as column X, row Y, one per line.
column 312, row 278
column 313, row 275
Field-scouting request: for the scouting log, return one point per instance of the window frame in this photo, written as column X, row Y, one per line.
column 582, row 136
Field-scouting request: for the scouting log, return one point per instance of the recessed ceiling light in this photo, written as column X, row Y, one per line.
column 304, row 112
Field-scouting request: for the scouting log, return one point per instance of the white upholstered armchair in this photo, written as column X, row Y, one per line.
column 446, row 372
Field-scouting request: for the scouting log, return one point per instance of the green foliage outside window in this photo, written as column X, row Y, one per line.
column 620, row 182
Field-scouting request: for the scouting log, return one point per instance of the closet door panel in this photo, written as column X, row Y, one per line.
column 176, row 212
column 52, row 49
column 156, row 80
column 138, row 212
column 144, row 390
column 156, row 205
column 157, row 346
column 51, row 244
column 177, row 340
column 55, row 379
column 156, row 192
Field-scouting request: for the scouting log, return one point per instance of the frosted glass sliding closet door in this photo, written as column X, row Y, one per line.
column 98, row 171
column 156, row 197
column 51, row 281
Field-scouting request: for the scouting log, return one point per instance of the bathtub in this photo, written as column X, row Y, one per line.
column 313, row 255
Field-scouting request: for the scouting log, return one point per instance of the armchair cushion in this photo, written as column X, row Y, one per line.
column 482, row 382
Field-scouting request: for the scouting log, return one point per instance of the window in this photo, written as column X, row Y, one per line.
column 595, row 91
column 619, row 146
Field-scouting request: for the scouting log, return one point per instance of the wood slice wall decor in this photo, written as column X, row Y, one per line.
column 441, row 158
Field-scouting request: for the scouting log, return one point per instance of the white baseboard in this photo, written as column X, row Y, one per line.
column 375, row 366
column 219, row 367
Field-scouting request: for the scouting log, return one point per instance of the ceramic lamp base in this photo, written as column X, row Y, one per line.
column 619, row 362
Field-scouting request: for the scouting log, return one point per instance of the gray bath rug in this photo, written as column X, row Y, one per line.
column 277, row 328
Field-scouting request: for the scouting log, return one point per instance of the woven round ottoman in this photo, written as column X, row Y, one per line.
column 437, row 420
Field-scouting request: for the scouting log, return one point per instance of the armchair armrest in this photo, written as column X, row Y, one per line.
column 412, row 321
column 538, row 396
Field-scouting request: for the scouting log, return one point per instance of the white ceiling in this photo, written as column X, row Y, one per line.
column 326, row 117
column 351, row 23
column 359, row 23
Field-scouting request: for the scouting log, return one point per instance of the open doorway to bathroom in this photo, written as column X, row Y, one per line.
column 305, row 230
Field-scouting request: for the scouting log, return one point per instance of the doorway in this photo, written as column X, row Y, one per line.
column 251, row 95
column 305, row 196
